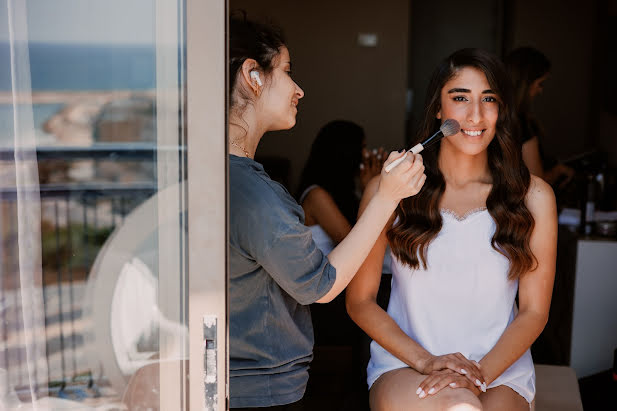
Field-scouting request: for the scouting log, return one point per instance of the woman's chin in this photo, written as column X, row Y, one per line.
column 283, row 126
column 289, row 123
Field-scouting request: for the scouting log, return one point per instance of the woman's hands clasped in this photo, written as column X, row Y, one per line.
column 404, row 180
column 453, row 370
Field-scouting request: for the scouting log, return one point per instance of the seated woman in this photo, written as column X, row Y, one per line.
column 480, row 230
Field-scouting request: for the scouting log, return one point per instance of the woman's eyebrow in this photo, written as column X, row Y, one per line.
column 459, row 90
column 466, row 90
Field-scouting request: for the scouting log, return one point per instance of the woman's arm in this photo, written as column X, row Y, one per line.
column 361, row 301
column 531, row 157
column 533, row 161
column 399, row 183
column 322, row 209
column 535, row 287
column 557, row 172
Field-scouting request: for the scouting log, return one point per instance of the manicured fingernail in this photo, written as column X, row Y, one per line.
column 431, row 391
column 418, row 390
column 463, row 371
column 361, row 166
column 483, row 387
column 478, row 383
column 452, row 384
column 422, row 394
column 374, row 151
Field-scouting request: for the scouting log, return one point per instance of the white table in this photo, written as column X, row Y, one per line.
column 594, row 323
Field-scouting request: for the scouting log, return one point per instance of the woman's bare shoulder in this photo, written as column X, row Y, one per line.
column 317, row 195
column 540, row 198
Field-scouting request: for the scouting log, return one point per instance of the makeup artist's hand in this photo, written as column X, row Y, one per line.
column 372, row 161
column 404, row 180
column 437, row 380
column 455, row 362
column 561, row 174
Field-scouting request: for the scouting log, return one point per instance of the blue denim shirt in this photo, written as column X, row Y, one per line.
column 276, row 270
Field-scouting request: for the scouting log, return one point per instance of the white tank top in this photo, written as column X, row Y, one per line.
column 462, row 302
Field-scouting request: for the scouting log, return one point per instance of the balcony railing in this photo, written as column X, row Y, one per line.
column 77, row 218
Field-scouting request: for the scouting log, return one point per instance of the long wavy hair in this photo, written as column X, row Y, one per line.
column 419, row 217
column 333, row 164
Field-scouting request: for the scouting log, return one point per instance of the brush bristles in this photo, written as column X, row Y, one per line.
column 450, row 127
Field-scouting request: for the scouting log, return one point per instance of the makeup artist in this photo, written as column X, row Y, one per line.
column 276, row 270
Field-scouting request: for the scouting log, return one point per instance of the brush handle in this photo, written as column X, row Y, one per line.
column 415, row 150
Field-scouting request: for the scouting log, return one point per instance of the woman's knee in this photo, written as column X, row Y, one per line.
column 459, row 399
column 390, row 390
column 381, row 397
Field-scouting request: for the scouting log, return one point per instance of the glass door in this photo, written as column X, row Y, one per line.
column 113, row 204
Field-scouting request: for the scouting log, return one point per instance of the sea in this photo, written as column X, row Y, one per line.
column 70, row 67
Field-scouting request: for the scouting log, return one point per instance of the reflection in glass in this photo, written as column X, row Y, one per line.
column 107, row 144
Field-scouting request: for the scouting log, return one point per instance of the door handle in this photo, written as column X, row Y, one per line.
column 210, row 363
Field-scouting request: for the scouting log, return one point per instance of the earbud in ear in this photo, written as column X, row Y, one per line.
column 255, row 76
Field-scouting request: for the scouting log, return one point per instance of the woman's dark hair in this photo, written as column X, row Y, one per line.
column 419, row 217
column 251, row 40
column 525, row 65
column 334, row 162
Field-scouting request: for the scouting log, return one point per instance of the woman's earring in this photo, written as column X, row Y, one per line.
column 257, row 79
column 255, row 76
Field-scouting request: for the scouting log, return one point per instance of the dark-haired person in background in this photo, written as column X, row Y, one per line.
column 327, row 192
column 480, row 230
column 276, row 270
column 529, row 69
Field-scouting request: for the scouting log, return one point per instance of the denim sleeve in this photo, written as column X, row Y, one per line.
column 298, row 266
column 268, row 226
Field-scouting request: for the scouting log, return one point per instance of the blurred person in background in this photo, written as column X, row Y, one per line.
column 529, row 69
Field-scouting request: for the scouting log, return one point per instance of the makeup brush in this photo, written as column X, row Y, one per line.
column 448, row 128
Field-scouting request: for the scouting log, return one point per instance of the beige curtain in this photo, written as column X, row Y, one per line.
column 23, row 367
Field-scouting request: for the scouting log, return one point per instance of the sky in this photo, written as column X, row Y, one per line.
column 112, row 22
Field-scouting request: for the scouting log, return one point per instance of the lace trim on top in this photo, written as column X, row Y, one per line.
column 464, row 216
